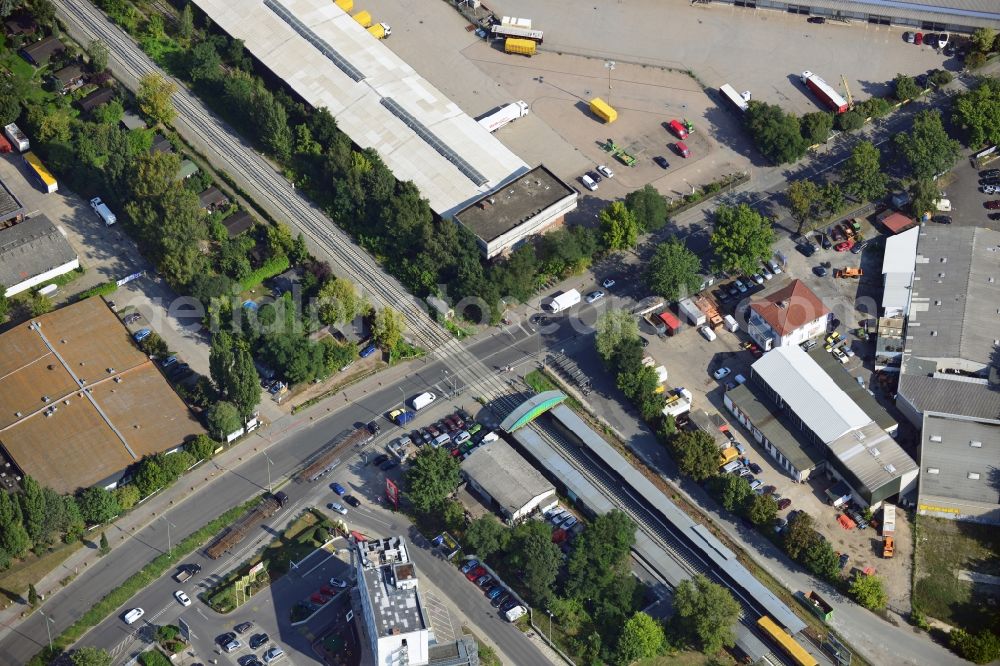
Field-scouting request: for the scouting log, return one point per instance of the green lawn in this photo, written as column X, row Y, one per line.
column 945, row 547
column 14, row 582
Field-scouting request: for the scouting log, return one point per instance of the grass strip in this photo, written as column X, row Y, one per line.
column 140, row 579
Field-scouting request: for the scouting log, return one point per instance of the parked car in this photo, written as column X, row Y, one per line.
column 993, row 205
column 494, row 592
column 232, row 646
column 755, row 484
column 500, row 599
column 352, row 500
column 661, row 162
column 918, row 38
column 608, row 283
column 721, row 372
column 338, row 583
column 258, row 640
column 570, row 522
column 475, row 573
column 388, row 465
column 595, row 296
column 483, row 580
column 909, row 37
column 819, row 20
column 374, row 427
column 740, row 286
column 141, row 334
column 773, row 265
column 273, row 655
column 784, row 503
column 844, row 559
column 755, row 468
column 605, row 171
column 337, row 488
column 336, row 506
column 367, row 351
column 860, row 247
column 469, row 566
column 243, row 627
column 990, row 173
column 379, row 459
column 182, row 598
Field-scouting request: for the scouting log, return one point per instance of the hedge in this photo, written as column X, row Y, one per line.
column 274, row 266
column 103, row 289
column 136, row 582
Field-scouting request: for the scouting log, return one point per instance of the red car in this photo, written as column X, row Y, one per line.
column 844, row 247
column 784, row 503
column 993, row 205
column 678, row 129
column 475, row 573
column 682, row 149
column 918, row 38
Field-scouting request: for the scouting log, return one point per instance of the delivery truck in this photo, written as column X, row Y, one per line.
column 520, row 46
column 563, row 301
column 380, row 30
column 826, row 94
column 18, row 139
column 888, row 530
column 603, row 110
column 503, row 116
column 737, row 101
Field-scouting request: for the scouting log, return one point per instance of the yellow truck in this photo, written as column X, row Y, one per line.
column 520, row 46
column 380, row 30
column 728, row 455
column 364, row 18
column 603, row 110
column 346, row 5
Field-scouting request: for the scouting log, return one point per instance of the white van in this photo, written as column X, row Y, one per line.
column 133, row 615
column 103, row 211
column 441, row 440
column 515, row 613
column 731, row 324
column 588, row 182
column 707, row 333
column 423, row 400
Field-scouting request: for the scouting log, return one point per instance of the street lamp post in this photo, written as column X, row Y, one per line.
column 610, row 65
column 269, row 463
column 402, row 399
column 549, row 613
column 169, row 525
column 48, row 631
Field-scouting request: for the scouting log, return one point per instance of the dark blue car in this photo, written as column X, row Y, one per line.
column 337, row 488
column 367, row 351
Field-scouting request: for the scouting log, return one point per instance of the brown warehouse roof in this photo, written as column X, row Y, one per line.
column 79, row 403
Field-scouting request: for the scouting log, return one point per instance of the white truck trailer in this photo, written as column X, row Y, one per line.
column 563, row 301
column 503, row 116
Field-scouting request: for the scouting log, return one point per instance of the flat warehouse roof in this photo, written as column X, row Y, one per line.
column 778, row 430
column 954, row 448
column 518, row 201
column 503, row 473
column 379, row 101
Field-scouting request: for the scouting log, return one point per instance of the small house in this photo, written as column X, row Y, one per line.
column 131, row 121
column 161, row 144
column 237, row 223
column 20, row 25
column 212, row 199
column 99, row 97
column 70, row 78
column 40, row 52
column 186, row 170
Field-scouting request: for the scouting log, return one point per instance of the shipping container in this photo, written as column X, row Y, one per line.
column 517, row 32
column 690, row 311
column 734, row 99
column 18, row 139
column 670, row 323
column 826, row 94
column 603, row 110
column 520, row 46
column 364, row 18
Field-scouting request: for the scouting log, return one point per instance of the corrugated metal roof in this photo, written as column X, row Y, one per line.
column 872, row 456
column 810, row 392
column 901, row 252
column 972, row 13
column 503, row 473
column 331, row 61
column 949, row 396
column 778, row 430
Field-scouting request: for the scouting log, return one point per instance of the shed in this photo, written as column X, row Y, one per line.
column 97, row 98
column 20, row 25
column 132, row 121
column 670, row 322
column 237, row 223
column 186, row 170
column 897, row 222
column 212, row 198
column 41, row 52
column 161, row 144
column 440, row 306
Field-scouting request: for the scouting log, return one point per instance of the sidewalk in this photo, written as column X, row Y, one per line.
column 119, row 532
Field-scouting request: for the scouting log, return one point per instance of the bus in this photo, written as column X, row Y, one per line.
column 735, row 99
column 786, row 642
column 45, row 179
column 504, row 31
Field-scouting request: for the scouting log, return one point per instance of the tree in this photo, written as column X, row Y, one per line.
column 924, row 194
column 874, row 107
column 696, row 453
column 339, row 302
column 619, row 228
column 649, row 208
column 905, row 88
column 978, row 113
column 128, row 496
column 74, row 525
column 204, row 64
column 7, row 7
column 742, row 238
column 90, row 656
column 980, row 648
column 803, row 198
column 850, row 121
column 762, row 509
column 642, row 637
column 223, row 418
column 387, row 328
column 244, row 383
column 868, row 591
column 705, row 613
column 863, row 177
column 778, row 135
column 185, row 27
column 4, row 304
column 940, row 77
column 432, row 478
column 14, row 538
column 32, row 595
column 97, row 51
column 151, row 475
column 600, row 556
column 927, row 149
column 453, row 515
column 820, row 559
column 33, row 510
column 98, row 505
column 800, row 535
column 202, row 447
column 614, row 327
column 487, row 535
column 154, row 98
column 833, row 198
column 816, row 127
column 532, row 552
column 734, row 491
column 105, row 548
column 673, row 272
column 983, row 39
column 221, row 359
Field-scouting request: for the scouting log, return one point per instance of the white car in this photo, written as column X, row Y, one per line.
column 942, row 40
column 339, row 508
column 273, row 655
column 990, row 189
column 595, row 296
column 742, row 287
column 232, row 646
column 588, row 182
column 605, row 171
column 767, row 274
column 775, row 268
column 608, row 283
column 707, row 333
column 721, row 372
column 184, row 599
column 756, row 277
column 336, row 582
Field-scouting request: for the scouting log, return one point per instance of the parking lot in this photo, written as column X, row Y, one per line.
column 963, row 189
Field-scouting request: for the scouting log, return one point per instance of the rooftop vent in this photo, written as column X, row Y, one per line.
column 933, row 470
column 976, row 445
column 875, row 452
column 935, row 438
column 933, row 333
column 973, row 476
column 891, row 469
